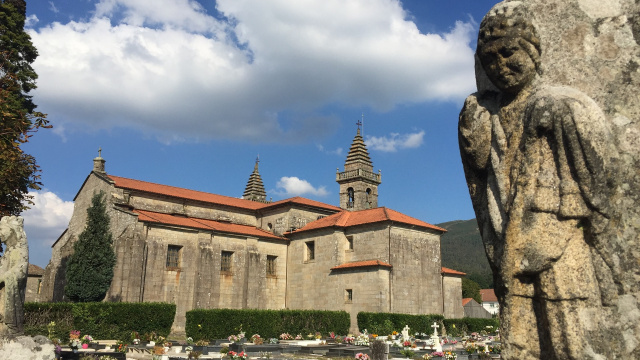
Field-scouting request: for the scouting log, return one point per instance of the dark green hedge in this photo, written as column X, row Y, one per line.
column 102, row 320
column 212, row 324
column 469, row 325
column 384, row 323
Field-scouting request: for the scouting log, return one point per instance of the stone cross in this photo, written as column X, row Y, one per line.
column 435, row 327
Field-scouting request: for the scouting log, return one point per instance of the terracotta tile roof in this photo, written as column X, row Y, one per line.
column 452, row 272
column 465, row 301
column 184, row 193
column 35, row 270
column 302, row 201
column 369, row 216
column 195, row 223
column 488, row 295
column 359, row 264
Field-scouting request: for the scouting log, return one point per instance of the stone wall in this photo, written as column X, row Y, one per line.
column 452, row 297
column 54, row 275
column 142, row 273
column 281, row 219
column 416, row 281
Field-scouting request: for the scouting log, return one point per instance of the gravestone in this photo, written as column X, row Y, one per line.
column 550, row 146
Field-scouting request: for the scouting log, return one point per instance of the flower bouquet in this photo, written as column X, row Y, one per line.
column 74, row 339
column 237, row 356
column 361, row 356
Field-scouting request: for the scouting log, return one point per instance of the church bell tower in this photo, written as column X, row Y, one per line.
column 358, row 182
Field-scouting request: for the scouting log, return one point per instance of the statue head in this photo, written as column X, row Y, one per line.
column 509, row 47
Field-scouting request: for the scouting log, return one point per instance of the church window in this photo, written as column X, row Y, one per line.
column 311, row 250
column 350, row 198
column 173, row 256
column 368, row 199
column 348, row 296
column 271, row 265
column 350, row 242
column 270, row 226
column 225, row 261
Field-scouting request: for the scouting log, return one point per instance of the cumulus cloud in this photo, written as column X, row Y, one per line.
column 395, row 141
column 293, row 186
column 260, row 71
column 44, row 222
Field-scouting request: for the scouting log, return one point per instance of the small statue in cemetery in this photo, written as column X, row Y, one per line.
column 13, row 275
column 539, row 164
column 405, row 333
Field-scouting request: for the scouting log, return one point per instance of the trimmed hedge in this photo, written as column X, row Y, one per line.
column 469, row 325
column 209, row 324
column 384, row 323
column 102, row 320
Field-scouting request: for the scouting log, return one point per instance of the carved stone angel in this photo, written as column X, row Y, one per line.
column 538, row 160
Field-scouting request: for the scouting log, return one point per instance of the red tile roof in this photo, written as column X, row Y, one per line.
column 465, row 301
column 184, row 193
column 359, row 264
column 301, row 201
column 35, row 270
column 452, row 272
column 369, row 216
column 195, row 223
column 488, row 295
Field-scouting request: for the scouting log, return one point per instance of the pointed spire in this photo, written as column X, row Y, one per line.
column 358, row 156
column 255, row 188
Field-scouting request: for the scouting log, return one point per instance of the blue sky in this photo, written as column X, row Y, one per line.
column 188, row 93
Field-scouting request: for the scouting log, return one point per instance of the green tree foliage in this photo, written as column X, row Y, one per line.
column 471, row 289
column 90, row 268
column 18, row 118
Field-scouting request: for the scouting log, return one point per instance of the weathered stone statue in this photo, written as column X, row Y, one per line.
column 13, row 275
column 542, row 165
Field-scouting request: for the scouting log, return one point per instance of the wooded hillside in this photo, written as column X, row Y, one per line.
column 462, row 250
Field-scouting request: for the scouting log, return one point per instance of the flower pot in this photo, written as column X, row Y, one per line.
column 85, row 346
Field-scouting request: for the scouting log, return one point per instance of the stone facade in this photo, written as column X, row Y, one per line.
column 201, row 250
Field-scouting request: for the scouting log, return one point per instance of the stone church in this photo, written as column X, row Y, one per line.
column 202, row 250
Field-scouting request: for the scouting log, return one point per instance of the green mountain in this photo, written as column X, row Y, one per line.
column 462, row 250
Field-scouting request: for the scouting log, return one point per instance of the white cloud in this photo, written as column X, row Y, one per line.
column 30, row 21
column 395, row 141
column 44, row 222
column 336, row 151
column 292, row 186
column 260, row 70
column 53, row 7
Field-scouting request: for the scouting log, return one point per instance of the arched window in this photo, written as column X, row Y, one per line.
column 368, row 200
column 350, row 198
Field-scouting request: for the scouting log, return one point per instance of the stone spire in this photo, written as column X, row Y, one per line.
column 255, row 188
column 98, row 163
column 358, row 182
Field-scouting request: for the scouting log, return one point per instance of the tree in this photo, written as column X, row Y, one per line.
column 18, row 118
column 471, row 289
column 90, row 267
